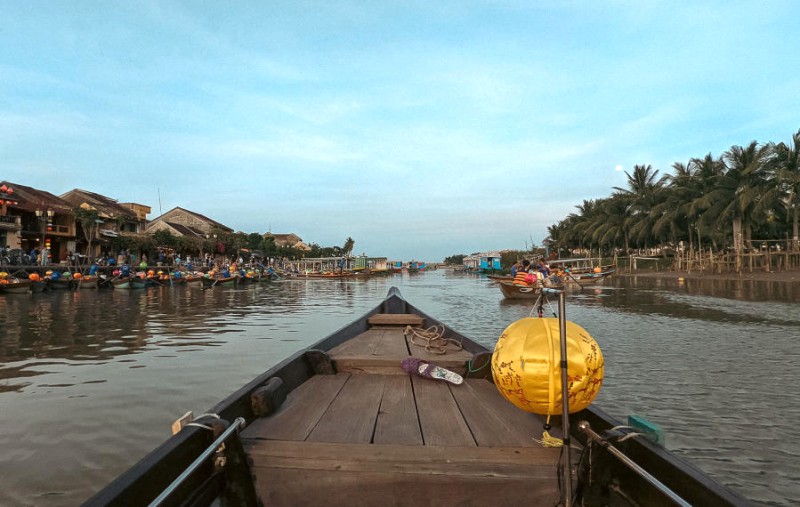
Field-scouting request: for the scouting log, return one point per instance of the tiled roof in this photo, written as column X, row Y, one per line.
column 185, row 230
column 204, row 218
column 104, row 205
column 31, row 199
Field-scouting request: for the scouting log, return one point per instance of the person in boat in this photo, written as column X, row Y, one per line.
column 524, row 277
column 514, row 269
column 544, row 268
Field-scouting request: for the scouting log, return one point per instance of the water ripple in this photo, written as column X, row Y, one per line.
column 713, row 364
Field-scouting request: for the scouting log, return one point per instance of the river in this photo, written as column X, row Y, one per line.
column 90, row 381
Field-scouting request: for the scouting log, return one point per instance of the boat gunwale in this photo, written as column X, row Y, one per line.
column 676, row 473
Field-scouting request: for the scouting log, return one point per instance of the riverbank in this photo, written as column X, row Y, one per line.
column 776, row 276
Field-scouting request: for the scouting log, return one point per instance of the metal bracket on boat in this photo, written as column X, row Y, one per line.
column 594, row 438
column 215, row 448
column 268, row 398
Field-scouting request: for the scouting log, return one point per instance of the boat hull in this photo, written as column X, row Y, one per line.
column 59, row 284
column 350, row 469
column 121, row 283
column 38, row 286
column 219, row 282
column 18, row 287
column 588, row 279
column 511, row 291
column 87, row 283
column 194, row 281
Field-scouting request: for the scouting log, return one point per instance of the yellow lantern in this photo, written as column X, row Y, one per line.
column 526, row 366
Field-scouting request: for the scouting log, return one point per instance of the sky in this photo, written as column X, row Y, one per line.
column 419, row 129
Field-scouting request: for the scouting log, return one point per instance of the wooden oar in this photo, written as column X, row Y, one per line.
column 575, row 280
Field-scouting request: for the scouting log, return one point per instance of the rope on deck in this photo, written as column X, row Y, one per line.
column 432, row 339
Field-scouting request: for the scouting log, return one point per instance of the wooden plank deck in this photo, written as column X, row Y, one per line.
column 372, row 434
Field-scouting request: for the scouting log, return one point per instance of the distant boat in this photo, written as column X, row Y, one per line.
column 511, row 291
column 15, row 286
column 59, row 283
column 121, row 282
column 500, row 278
column 194, row 280
column 87, row 282
column 219, row 281
column 588, row 278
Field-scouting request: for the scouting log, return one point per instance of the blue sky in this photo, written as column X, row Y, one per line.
column 419, row 129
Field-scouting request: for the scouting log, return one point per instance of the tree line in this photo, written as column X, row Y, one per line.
column 746, row 194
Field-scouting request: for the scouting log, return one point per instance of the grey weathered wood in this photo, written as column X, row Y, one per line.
column 493, row 424
column 480, row 365
column 362, row 345
column 397, row 419
column 439, row 416
column 301, row 411
column 388, row 365
column 396, row 319
column 268, row 398
column 352, row 414
column 416, row 347
column 304, row 473
column 375, row 342
column 514, row 418
column 320, row 362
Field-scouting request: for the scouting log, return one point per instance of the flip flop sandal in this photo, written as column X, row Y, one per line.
column 424, row 369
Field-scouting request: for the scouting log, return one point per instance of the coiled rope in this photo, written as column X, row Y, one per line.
column 432, row 339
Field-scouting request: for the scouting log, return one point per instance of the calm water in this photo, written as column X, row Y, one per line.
column 90, row 381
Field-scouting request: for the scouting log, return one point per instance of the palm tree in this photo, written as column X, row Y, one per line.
column 610, row 223
column 739, row 189
column 347, row 249
column 644, row 192
column 787, row 173
column 697, row 190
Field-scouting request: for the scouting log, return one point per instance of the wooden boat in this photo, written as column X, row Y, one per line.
column 139, row 283
column 15, row 286
column 511, row 291
column 195, row 281
column 588, row 278
column 342, row 424
column 59, row 283
column 87, row 282
column 326, row 275
column 219, row 281
column 175, row 280
column 123, row 282
column 38, row 285
column 500, row 278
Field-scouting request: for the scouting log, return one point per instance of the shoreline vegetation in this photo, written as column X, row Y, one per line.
column 743, row 200
column 787, row 276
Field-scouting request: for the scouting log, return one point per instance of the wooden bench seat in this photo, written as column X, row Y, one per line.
column 371, row 434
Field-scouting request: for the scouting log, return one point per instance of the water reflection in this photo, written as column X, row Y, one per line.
column 711, row 361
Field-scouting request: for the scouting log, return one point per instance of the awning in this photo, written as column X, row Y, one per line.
column 109, row 234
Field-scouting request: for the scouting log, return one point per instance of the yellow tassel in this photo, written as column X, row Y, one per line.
column 549, row 440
